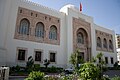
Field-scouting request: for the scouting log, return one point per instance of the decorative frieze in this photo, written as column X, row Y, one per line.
column 103, row 35
column 34, row 17
column 81, row 26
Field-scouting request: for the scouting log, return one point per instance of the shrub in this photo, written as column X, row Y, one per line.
column 51, row 78
column 68, row 77
column 105, row 77
column 116, row 78
column 17, row 68
column 29, row 64
column 36, row 67
column 59, row 69
column 75, row 60
column 88, row 71
column 100, row 64
column 35, row 75
column 46, row 62
column 53, row 69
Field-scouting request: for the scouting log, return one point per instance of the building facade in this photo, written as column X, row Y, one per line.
column 118, row 46
column 117, row 40
column 29, row 29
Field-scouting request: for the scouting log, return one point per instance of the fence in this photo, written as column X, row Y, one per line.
column 4, row 73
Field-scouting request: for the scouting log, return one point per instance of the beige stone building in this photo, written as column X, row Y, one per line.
column 29, row 29
column 117, row 40
column 118, row 46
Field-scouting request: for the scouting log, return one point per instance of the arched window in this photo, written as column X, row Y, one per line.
column 24, row 27
column 105, row 43
column 80, row 38
column 53, row 33
column 99, row 42
column 39, row 31
column 110, row 45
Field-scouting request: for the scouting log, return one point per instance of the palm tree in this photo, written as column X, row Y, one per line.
column 46, row 62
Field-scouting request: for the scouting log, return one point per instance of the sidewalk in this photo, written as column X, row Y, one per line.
column 17, row 77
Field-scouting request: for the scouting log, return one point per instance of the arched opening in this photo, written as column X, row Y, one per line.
column 110, row 45
column 82, row 42
column 39, row 31
column 99, row 42
column 105, row 43
column 53, row 32
column 80, row 38
column 24, row 26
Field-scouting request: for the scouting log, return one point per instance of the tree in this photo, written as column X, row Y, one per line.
column 100, row 64
column 35, row 75
column 116, row 65
column 46, row 62
column 88, row 71
column 30, row 63
column 75, row 60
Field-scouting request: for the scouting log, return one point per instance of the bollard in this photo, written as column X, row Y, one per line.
column 4, row 73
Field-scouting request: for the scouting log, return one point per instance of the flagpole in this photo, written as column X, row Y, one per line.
column 80, row 7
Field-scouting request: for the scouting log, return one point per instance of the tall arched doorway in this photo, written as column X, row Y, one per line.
column 82, row 38
column 82, row 43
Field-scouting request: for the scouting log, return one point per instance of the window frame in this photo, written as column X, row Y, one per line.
column 22, row 29
column 110, row 45
column 106, row 60
column 53, row 34
column 55, row 52
column 80, row 38
column 17, row 51
column 40, row 55
column 99, row 44
column 105, row 43
column 40, row 32
column 112, row 60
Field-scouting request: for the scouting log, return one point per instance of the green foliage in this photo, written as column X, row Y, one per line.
column 100, row 64
column 36, row 67
column 88, row 71
column 46, row 62
column 116, row 65
column 35, row 75
column 17, row 68
column 100, row 57
column 18, row 71
column 74, row 60
column 53, row 69
column 93, row 60
column 30, row 63
column 69, row 77
column 60, row 70
column 105, row 77
column 62, row 77
column 116, row 78
column 51, row 78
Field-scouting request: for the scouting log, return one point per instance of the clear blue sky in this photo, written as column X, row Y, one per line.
column 106, row 13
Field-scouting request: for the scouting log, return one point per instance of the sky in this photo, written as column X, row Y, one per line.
column 105, row 13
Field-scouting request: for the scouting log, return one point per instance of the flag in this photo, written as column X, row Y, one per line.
column 80, row 7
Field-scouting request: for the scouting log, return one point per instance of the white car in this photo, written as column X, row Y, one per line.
column 69, row 70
